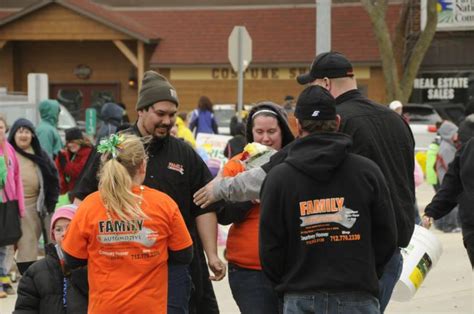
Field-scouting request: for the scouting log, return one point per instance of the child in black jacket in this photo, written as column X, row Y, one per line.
column 47, row 286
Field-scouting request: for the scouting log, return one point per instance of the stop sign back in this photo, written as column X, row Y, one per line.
column 240, row 36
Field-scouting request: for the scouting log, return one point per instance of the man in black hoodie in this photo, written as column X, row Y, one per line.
column 327, row 224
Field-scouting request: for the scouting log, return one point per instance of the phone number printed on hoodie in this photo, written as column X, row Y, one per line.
column 345, row 237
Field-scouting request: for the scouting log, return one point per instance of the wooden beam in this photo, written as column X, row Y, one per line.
column 126, row 52
column 2, row 44
column 141, row 62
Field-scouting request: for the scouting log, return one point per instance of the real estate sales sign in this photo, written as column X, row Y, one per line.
column 433, row 87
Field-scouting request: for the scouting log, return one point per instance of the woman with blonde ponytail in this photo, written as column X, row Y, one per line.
column 125, row 233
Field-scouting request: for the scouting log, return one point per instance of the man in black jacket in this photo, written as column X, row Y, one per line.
column 378, row 133
column 175, row 169
column 458, row 188
column 327, row 225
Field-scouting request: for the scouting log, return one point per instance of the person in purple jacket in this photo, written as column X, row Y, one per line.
column 202, row 119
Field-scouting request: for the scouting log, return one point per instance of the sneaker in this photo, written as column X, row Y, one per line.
column 8, row 289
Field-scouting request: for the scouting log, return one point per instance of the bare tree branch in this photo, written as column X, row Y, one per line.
column 398, row 78
column 377, row 13
column 399, row 42
column 419, row 50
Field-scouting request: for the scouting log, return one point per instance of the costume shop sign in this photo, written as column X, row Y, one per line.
column 442, row 87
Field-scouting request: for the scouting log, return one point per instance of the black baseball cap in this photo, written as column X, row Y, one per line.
column 315, row 103
column 327, row 64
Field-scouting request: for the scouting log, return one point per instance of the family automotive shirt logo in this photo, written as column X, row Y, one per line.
column 176, row 167
column 126, row 231
column 327, row 220
column 328, row 210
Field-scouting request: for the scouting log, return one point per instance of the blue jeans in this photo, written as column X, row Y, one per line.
column 417, row 214
column 389, row 279
column 179, row 289
column 329, row 303
column 3, row 256
column 252, row 291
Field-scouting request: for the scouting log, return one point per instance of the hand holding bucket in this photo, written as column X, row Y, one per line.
column 426, row 221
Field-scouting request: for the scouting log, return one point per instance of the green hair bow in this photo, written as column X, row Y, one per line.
column 111, row 145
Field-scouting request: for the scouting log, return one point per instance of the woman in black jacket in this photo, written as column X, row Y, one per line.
column 47, row 286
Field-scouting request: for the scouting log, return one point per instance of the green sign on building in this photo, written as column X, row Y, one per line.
column 91, row 121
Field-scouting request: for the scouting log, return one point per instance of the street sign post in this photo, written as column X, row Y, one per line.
column 240, row 56
column 323, row 26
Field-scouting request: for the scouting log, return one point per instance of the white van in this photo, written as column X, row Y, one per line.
column 19, row 105
column 223, row 113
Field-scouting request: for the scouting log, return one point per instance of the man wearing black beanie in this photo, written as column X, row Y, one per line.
column 177, row 170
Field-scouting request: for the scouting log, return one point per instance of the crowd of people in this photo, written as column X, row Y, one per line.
column 319, row 224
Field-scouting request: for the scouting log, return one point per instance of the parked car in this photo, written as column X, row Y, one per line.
column 423, row 120
column 16, row 105
column 223, row 113
column 449, row 111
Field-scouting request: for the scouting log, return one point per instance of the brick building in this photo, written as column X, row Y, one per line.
column 101, row 48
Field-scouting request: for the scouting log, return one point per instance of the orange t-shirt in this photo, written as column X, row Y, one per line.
column 242, row 240
column 127, row 260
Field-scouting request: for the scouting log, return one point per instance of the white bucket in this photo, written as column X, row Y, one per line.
column 419, row 257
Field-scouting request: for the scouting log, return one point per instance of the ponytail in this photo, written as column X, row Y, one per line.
column 117, row 171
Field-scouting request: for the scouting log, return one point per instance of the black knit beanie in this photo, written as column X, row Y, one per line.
column 155, row 88
column 73, row 134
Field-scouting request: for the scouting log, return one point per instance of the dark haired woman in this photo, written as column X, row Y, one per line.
column 267, row 124
column 41, row 190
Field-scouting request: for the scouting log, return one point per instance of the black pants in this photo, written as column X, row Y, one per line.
column 468, row 240
column 203, row 300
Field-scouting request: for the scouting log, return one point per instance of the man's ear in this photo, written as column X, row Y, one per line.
column 327, row 84
column 338, row 122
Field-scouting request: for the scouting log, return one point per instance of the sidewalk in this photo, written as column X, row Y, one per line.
column 448, row 288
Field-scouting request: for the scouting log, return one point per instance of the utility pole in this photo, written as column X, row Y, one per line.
column 323, row 26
